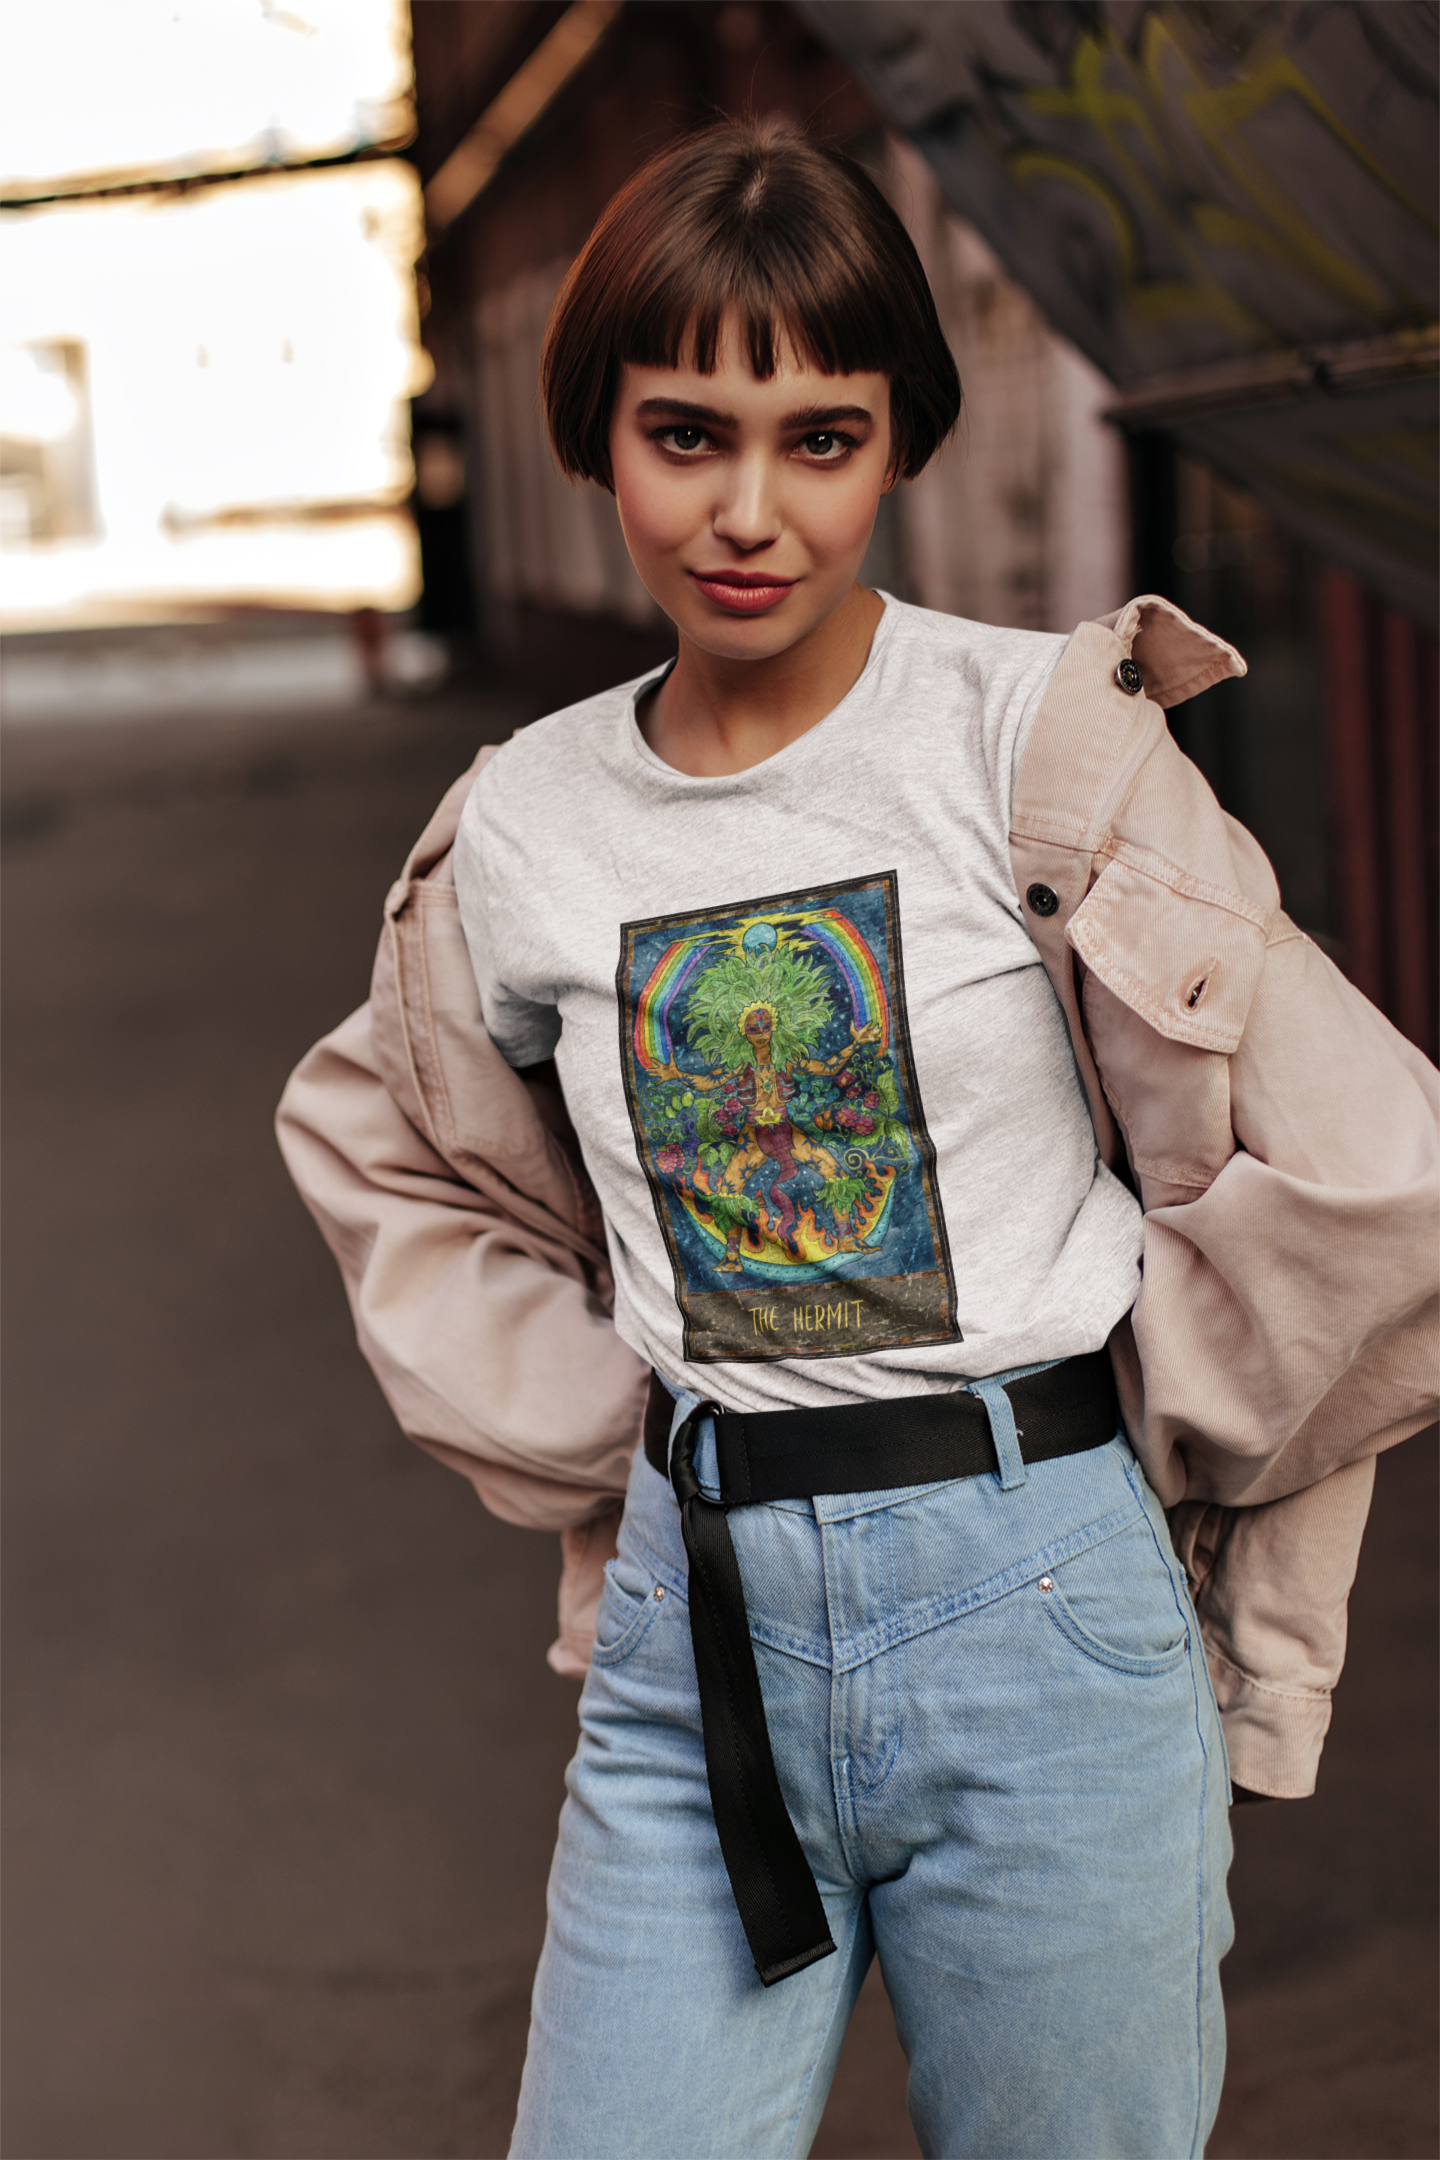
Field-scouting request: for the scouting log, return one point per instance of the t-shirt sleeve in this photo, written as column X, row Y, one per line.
column 1034, row 687
column 524, row 1029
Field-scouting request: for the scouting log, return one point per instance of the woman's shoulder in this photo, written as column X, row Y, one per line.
column 959, row 642
column 989, row 668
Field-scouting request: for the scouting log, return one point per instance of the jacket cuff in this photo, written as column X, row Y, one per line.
column 1273, row 1735
column 584, row 1551
column 569, row 1655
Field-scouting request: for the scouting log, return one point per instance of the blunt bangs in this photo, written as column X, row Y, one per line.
column 791, row 237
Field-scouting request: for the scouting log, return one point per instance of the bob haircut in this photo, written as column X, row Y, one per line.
column 791, row 235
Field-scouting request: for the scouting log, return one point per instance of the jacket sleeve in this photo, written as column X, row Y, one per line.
column 490, row 1339
column 1286, row 1326
column 1328, row 1272
column 1282, row 1137
column 1274, row 1656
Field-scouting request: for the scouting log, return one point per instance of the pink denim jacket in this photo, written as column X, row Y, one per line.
column 1281, row 1135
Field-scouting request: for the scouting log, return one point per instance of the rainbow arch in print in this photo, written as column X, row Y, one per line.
column 858, row 968
column 681, row 962
column 670, row 978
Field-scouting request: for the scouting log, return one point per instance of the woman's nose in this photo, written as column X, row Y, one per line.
column 746, row 514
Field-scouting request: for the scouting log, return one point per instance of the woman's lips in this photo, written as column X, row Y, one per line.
column 742, row 593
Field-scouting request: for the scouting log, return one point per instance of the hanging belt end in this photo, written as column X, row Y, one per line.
column 769, row 1974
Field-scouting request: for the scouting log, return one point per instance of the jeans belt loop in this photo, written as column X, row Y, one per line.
column 1002, row 1431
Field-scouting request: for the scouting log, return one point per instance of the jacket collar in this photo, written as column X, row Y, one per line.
column 1093, row 733
column 1177, row 657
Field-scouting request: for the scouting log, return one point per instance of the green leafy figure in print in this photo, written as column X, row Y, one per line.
column 788, row 984
column 754, row 1016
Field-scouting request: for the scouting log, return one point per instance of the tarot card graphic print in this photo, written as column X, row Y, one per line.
column 771, row 1087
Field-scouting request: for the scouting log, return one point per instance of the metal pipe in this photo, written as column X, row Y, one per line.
column 1405, row 896
column 1270, row 378
column 1352, row 790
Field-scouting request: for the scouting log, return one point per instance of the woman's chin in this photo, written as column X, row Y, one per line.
column 743, row 637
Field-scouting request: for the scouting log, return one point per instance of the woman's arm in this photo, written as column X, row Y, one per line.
column 1271, row 1586
column 490, row 1340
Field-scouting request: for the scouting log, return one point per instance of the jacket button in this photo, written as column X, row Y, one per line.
column 1131, row 681
column 1042, row 900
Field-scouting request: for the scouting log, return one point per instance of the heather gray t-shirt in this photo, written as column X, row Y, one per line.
column 821, row 1081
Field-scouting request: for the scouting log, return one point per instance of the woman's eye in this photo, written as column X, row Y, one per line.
column 685, row 438
column 827, row 445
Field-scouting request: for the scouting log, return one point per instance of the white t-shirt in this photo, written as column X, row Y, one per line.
column 820, row 1079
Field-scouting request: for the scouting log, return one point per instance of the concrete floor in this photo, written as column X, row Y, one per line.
column 283, row 1755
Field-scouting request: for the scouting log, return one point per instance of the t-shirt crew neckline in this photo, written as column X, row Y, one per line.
column 640, row 748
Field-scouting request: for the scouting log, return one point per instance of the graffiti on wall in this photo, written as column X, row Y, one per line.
column 1188, row 187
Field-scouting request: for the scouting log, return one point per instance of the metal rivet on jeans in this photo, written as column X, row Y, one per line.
column 1042, row 899
column 1047, row 1582
column 659, row 1592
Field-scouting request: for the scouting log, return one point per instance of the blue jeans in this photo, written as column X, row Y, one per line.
column 996, row 1738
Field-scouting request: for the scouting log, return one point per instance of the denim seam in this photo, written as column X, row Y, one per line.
column 1197, row 1649
column 843, row 1789
column 675, row 1580
column 1172, row 1562
column 1137, row 1667
column 628, row 1641
column 1169, row 1560
column 1201, row 1846
column 893, row 1699
column 841, row 1800
column 888, row 1635
column 1197, row 2144
column 862, row 1788
column 884, row 1497
column 844, row 1803
column 870, row 1786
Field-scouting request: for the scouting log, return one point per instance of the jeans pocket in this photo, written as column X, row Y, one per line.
column 1117, row 1602
column 628, row 1604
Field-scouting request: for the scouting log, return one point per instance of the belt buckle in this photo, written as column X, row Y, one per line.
column 685, row 1483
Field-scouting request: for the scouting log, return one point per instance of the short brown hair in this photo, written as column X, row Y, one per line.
column 793, row 235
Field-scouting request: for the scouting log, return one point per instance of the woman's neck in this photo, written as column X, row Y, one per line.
column 713, row 716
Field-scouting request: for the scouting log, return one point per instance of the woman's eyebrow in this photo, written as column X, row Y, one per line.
column 808, row 416
column 678, row 406
column 818, row 416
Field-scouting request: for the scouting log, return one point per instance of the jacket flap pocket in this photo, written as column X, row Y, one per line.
column 1182, row 955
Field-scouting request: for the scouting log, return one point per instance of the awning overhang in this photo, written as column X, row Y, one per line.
column 1229, row 210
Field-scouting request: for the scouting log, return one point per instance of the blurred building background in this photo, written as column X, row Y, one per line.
column 1229, row 214
column 280, row 541
column 197, row 429
column 1187, row 262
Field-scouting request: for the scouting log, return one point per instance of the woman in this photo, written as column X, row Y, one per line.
column 895, row 1654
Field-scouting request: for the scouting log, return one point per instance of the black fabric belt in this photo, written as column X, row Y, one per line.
column 795, row 1455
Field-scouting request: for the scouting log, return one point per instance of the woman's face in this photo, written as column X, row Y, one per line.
column 747, row 506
